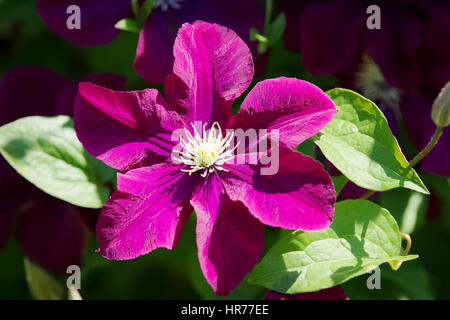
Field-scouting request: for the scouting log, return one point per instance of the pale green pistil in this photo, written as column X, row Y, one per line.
column 208, row 151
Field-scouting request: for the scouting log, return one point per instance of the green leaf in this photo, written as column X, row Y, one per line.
column 360, row 144
column 362, row 236
column 339, row 183
column 128, row 25
column 42, row 285
column 135, row 6
column 46, row 152
column 411, row 283
column 256, row 36
column 263, row 41
column 407, row 207
column 146, row 9
column 308, row 148
column 276, row 29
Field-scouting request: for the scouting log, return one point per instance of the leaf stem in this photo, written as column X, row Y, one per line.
column 406, row 251
column 418, row 157
column 408, row 243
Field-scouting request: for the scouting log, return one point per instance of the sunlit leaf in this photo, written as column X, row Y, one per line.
column 360, row 144
column 362, row 236
column 47, row 152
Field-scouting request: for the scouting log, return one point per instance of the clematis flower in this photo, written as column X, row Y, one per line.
column 132, row 132
column 343, row 36
column 50, row 231
column 416, row 107
column 154, row 57
column 334, row 293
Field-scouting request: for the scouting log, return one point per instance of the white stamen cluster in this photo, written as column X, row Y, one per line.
column 208, row 151
column 166, row 4
column 370, row 80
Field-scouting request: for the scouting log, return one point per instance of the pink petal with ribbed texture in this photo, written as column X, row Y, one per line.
column 126, row 130
column 296, row 108
column 213, row 66
column 230, row 241
column 154, row 57
column 148, row 211
column 299, row 196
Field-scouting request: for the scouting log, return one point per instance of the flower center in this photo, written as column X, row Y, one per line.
column 370, row 80
column 166, row 4
column 207, row 151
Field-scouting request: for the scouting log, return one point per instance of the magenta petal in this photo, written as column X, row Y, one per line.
column 26, row 91
column 213, row 66
column 148, row 211
column 98, row 18
column 126, row 130
column 52, row 233
column 299, row 196
column 334, row 293
column 230, row 241
column 68, row 94
column 297, row 108
column 238, row 15
column 154, row 57
column 330, row 35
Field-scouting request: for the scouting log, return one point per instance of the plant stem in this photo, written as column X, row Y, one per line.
column 268, row 14
column 417, row 158
column 135, row 6
column 428, row 148
column 262, row 46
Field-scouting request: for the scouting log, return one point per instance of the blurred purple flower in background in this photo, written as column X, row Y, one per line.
column 401, row 66
column 50, row 231
column 132, row 131
column 154, row 58
column 98, row 19
column 434, row 60
column 343, row 36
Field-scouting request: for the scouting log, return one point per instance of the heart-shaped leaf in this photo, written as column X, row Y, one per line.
column 47, row 152
column 360, row 144
column 362, row 236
